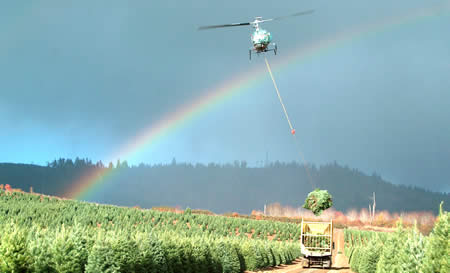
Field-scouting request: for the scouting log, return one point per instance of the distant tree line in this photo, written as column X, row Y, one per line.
column 222, row 187
column 80, row 163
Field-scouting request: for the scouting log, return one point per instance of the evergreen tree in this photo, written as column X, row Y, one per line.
column 158, row 255
column 276, row 255
column 437, row 252
column 264, row 254
column 102, row 258
column 283, row 259
column 173, row 255
column 370, row 257
column 389, row 259
column 216, row 260
column 14, row 254
column 124, row 165
column 68, row 252
column 186, row 257
column 412, row 252
column 111, row 255
column 229, row 258
column 354, row 262
column 237, row 246
column 200, row 256
column 152, row 258
column 250, row 256
column 39, row 245
column 188, row 211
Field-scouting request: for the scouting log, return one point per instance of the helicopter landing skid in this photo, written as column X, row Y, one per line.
column 274, row 49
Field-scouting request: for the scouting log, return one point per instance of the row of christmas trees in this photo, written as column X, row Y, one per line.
column 406, row 250
column 42, row 234
column 42, row 209
column 78, row 249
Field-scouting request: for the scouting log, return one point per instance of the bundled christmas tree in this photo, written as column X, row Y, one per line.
column 318, row 201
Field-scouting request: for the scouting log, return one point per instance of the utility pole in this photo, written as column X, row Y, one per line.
column 374, row 205
column 372, row 209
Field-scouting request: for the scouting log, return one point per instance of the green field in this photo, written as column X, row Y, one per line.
column 406, row 250
column 45, row 234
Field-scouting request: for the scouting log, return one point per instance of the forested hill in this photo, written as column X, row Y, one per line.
column 222, row 188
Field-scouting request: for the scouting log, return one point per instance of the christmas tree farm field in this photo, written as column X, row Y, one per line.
column 404, row 251
column 45, row 234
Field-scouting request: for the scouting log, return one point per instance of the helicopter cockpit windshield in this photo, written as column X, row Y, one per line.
column 261, row 36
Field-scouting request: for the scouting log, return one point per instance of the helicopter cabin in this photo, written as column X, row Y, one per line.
column 261, row 39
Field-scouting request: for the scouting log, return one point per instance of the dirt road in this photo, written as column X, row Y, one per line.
column 339, row 262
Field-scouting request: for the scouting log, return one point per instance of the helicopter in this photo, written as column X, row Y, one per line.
column 261, row 38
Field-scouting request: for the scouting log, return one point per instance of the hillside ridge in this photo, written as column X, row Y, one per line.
column 223, row 188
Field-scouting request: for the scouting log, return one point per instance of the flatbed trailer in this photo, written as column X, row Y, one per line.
column 317, row 243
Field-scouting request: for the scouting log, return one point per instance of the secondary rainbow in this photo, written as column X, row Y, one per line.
column 93, row 181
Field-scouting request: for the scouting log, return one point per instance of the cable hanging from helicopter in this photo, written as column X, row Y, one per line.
column 262, row 43
column 310, row 180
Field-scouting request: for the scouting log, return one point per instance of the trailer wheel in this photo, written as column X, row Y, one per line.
column 327, row 263
column 306, row 263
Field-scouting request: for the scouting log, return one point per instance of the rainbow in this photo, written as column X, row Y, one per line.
column 92, row 182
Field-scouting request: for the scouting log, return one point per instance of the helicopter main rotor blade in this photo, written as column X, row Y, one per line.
column 292, row 15
column 226, row 25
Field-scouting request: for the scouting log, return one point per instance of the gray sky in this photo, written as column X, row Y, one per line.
column 83, row 78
